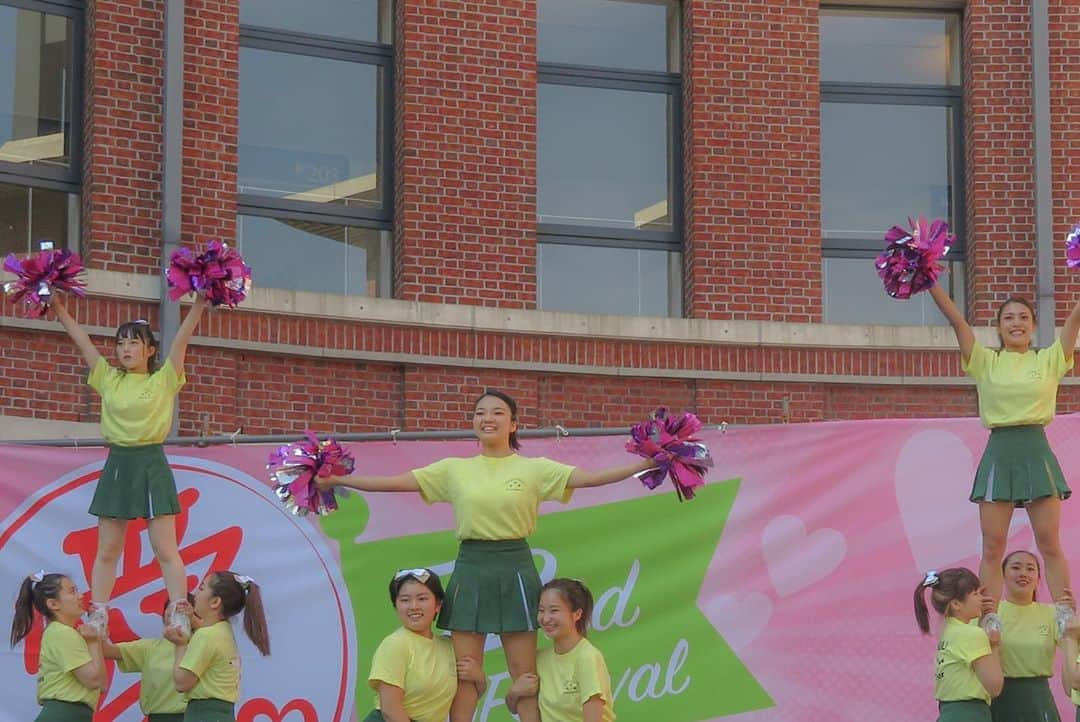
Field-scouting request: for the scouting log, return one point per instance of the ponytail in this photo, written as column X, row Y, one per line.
column 239, row 593
column 947, row 586
column 34, row 593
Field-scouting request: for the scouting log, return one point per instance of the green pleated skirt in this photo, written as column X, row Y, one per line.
column 967, row 710
column 1025, row 699
column 54, row 710
column 136, row 483
column 1018, row 465
column 166, row 717
column 495, row 588
column 210, row 710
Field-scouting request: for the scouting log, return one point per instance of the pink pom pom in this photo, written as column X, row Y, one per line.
column 909, row 264
column 1072, row 247
column 295, row 467
column 219, row 274
column 670, row 442
column 41, row 275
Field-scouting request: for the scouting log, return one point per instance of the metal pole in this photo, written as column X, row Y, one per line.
column 1044, row 200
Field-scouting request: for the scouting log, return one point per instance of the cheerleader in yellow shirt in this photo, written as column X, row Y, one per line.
column 206, row 666
column 71, row 668
column 413, row 671
column 1070, row 670
column 136, row 482
column 495, row 586
column 968, row 669
column 1029, row 639
column 572, row 677
column 1017, row 387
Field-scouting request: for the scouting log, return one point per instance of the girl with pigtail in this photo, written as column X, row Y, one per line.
column 206, row 666
column 71, row 666
column 137, row 401
column 496, row 497
column 968, row 666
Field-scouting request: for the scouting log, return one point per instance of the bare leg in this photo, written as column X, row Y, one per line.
column 162, row 531
column 994, row 518
column 110, row 543
column 466, row 644
column 520, row 648
column 1045, row 516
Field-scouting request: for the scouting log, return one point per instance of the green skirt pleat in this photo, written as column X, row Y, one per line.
column 495, row 588
column 968, row 710
column 1025, row 699
column 1018, row 465
column 53, row 710
column 136, row 483
column 210, row 710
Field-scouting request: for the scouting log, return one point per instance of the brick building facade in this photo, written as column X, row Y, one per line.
column 457, row 91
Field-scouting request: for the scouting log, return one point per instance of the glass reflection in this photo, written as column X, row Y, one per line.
column 883, row 47
column 30, row 215
column 351, row 19
column 622, row 281
column 628, row 34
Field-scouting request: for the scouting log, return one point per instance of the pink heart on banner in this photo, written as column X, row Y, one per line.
column 796, row 559
column 739, row 619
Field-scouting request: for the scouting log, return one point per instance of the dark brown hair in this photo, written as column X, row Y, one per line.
column 141, row 330
column 237, row 596
column 948, row 585
column 33, row 595
column 433, row 583
column 577, row 595
column 515, row 444
column 1038, row 565
column 1014, row 299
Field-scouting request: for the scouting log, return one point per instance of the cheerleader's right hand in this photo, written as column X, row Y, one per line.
column 995, row 637
column 326, row 483
column 90, row 633
column 176, row 636
column 1072, row 628
column 527, row 685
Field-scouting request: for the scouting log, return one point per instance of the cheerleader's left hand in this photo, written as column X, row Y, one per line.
column 176, row 636
column 1067, row 599
column 470, row 669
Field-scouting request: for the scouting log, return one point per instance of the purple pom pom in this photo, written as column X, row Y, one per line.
column 295, row 467
column 219, row 274
column 42, row 274
column 909, row 264
column 1072, row 247
column 670, row 442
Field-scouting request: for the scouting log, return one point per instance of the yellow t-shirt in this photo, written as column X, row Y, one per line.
column 136, row 409
column 1017, row 389
column 423, row 668
column 960, row 645
column 495, row 498
column 1028, row 639
column 63, row 650
column 568, row 681
column 153, row 659
column 212, row 657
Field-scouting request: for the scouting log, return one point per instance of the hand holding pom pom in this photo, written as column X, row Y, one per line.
column 909, row 263
column 296, row 468
column 670, row 442
column 42, row 274
column 219, row 274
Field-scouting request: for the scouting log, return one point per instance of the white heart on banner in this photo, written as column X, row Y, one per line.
column 796, row 559
column 739, row 619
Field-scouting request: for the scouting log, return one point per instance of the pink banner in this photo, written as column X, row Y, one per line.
column 782, row 593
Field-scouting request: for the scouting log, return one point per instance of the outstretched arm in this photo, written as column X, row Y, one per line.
column 964, row 335
column 183, row 334
column 78, row 335
column 1069, row 332
column 580, row 478
column 401, row 482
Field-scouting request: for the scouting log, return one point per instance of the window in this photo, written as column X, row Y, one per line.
column 609, row 154
column 891, row 147
column 40, row 66
column 315, row 144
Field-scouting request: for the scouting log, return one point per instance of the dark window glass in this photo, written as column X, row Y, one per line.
column 854, row 295
column 314, row 256
column 309, row 128
column 36, row 87
column 603, row 157
column 882, row 163
column 349, row 19
column 31, row 215
column 597, row 279
column 629, row 34
column 881, row 47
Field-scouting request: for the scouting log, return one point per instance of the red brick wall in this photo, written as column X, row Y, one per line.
column 998, row 146
column 122, row 129
column 753, row 199
column 1065, row 141
column 465, row 160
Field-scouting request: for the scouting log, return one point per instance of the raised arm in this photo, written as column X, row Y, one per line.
column 400, row 482
column 110, row 650
column 183, row 334
column 93, row 674
column 580, row 478
column 1070, row 647
column 1069, row 332
column 988, row 668
column 964, row 335
column 75, row 331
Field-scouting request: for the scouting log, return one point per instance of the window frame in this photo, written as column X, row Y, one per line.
column 68, row 180
column 641, row 81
